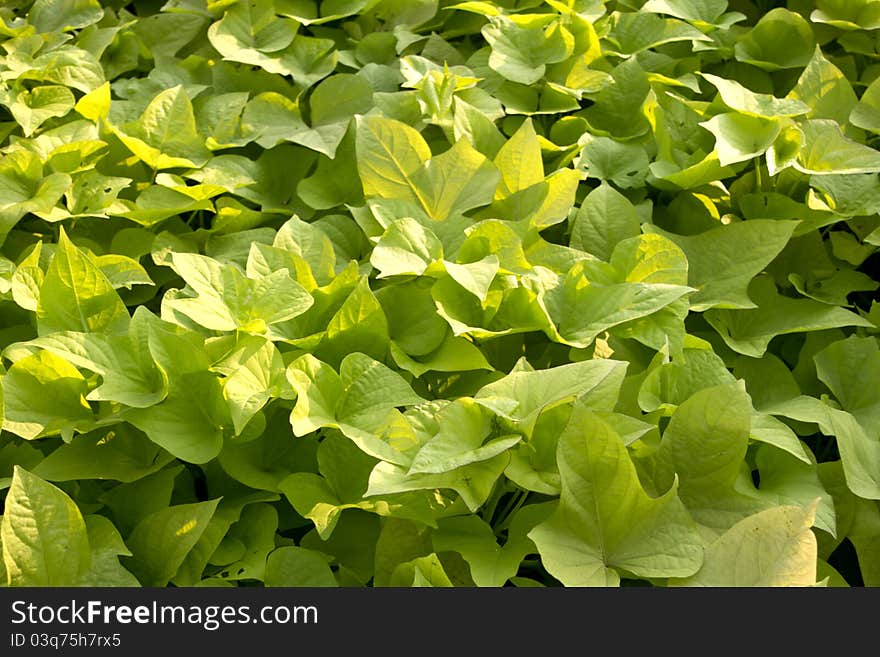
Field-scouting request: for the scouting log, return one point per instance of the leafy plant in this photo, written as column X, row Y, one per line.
column 439, row 293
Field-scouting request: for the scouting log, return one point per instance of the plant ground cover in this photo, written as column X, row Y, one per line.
column 435, row 293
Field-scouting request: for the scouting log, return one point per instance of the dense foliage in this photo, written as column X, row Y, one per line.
column 432, row 293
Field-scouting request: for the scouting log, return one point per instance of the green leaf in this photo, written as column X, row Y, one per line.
column 605, row 218
column 323, row 498
column 544, row 204
column 864, row 529
column 44, row 395
column 521, row 54
column 129, row 503
column 188, row 422
column 160, row 542
column 345, row 471
column 744, row 100
column 248, row 31
column 157, row 203
column 650, row 259
column 774, row 547
column 271, row 118
column 122, row 271
column 359, row 326
column 475, row 277
column 68, row 66
column 20, row 454
column 344, row 466
column 27, row 279
column 219, row 118
column 706, row 440
column 623, row 164
column 310, row 60
column 264, row 462
column 825, row 90
column 129, row 376
column 866, row 114
column 635, row 32
column 399, row 541
column 121, row 453
column 413, row 323
column 107, row 546
column 165, row 136
column 519, row 161
column 490, row 564
column 449, row 450
column 255, row 529
column 389, row 153
column 307, row 13
column 455, row 354
column 75, row 295
column 618, row 108
column 257, row 377
column 845, row 247
column 767, row 429
column 859, row 452
column 849, row 195
column 351, row 547
column 695, row 172
column 44, row 536
column 394, row 162
column 64, row 15
column 533, row 462
column 704, row 447
column 473, row 483
column 583, row 308
column 406, row 248
column 521, row 396
column 827, row 151
column 739, row 137
column 33, row 108
column 339, row 98
column 335, row 181
column 723, row 261
column 359, row 400
column 423, row 571
column 311, row 244
column 700, row 12
column 848, row 367
column 182, row 424
column 785, row 149
column 786, row 480
column 472, row 124
column 588, row 540
column 674, row 382
column 847, row 14
column 781, row 39
column 456, row 181
column 95, row 104
column 750, row 331
column 369, row 388
column 836, row 289
column 211, row 544
column 295, row 566
column 225, row 299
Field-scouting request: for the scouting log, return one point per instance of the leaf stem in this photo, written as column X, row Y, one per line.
column 513, row 505
column 492, row 503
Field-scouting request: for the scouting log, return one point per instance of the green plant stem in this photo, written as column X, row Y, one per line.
column 492, row 503
column 513, row 505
